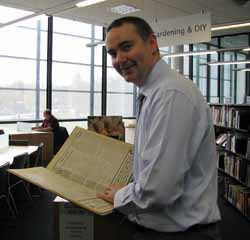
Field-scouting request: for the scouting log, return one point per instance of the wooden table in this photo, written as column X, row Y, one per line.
column 7, row 154
column 35, row 138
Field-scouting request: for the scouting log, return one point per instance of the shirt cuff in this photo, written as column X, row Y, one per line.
column 118, row 199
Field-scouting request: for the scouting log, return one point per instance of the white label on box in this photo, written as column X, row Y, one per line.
column 75, row 223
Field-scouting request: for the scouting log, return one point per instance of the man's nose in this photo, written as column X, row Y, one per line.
column 121, row 57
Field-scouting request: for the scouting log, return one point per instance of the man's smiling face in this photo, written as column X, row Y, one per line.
column 132, row 57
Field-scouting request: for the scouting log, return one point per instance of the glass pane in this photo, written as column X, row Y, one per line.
column 109, row 61
column 98, row 32
column 23, row 73
column 71, row 76
column 120, row 104
column 23, row 76
column 116, row 83
column 68, row 104
column 24, row 47
column 98, row 104
column 71, row 49
column 98, row 79
column 200, row 71
column 17, row 104
column 71, row 27
column 98, row 55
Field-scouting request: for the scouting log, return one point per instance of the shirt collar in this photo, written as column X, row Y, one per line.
column 152, row 78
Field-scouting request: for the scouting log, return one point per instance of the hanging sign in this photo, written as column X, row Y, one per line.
column 186, row 30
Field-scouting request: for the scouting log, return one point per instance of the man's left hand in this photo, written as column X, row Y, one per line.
column 109, row 193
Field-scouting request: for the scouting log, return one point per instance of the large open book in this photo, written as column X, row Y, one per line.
column 86, row 164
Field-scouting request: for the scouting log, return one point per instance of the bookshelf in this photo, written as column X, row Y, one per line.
column 232, row 130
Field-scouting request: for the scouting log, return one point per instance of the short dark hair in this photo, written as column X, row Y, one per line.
column 48, row 111
column 142, row 27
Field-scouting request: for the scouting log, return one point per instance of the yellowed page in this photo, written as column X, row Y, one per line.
column 93, row 160
column 72, row 191
column 86, row 164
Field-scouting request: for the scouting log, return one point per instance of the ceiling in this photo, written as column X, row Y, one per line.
column 222, row 11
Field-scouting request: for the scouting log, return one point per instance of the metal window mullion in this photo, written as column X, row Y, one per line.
column 219, row 73
column 247, row 76
column 191, row 63
column 104, row 78
column 92, row 72
column 49, row 63
column 38, row 56
column 234, row 90
column 208, row 75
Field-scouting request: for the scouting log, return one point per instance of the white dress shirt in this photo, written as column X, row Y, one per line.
column 175, row 162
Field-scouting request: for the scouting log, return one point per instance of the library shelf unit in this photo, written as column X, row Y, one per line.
column 232, row 132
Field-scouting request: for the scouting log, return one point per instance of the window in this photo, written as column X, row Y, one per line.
column 74, row 74
column 200, row 71
column 23, row 70
column 120, row 95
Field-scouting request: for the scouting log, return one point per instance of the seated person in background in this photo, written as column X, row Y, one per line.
column 49, row 124
column 1, row 131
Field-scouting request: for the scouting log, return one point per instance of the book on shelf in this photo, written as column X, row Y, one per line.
column 221, row 139
column 86, row 164
column 248, row 174
column 231, row 116
column 237, row 195
column 235, row 166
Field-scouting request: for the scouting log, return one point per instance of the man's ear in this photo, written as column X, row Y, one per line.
column 154, row 43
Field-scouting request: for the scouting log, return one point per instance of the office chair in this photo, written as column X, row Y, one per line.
column 36, row 160
column 60, row 136
column 4, row 186
column 19, row 162
column 37, row 157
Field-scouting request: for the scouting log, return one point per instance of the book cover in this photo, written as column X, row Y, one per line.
column 111, row 126
column 86, row 164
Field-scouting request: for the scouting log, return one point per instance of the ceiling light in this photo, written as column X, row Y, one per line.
column 8, row 14
column 246, row 49
column 230, row 26
column 88, row 3
column 226, row 63
column 124, row 9
column 94, row 44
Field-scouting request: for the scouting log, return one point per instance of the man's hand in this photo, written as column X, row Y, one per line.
column 109, row 193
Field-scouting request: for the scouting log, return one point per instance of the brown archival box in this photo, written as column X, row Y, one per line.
column 86, row 164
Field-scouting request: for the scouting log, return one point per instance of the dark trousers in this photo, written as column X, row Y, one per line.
column 131, row 231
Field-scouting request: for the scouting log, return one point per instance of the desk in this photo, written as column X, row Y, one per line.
column 7, row 154
column 73, row 223
column 35, row 138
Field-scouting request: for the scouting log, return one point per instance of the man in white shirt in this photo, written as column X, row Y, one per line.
column 174, row 188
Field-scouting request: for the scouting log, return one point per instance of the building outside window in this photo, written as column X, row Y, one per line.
column 75, row 71
column 23, row 49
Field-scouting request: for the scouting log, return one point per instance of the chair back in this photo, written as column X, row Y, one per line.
column 4, row 178
column 60, row 136
column 19, row 162
column 38, row 158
